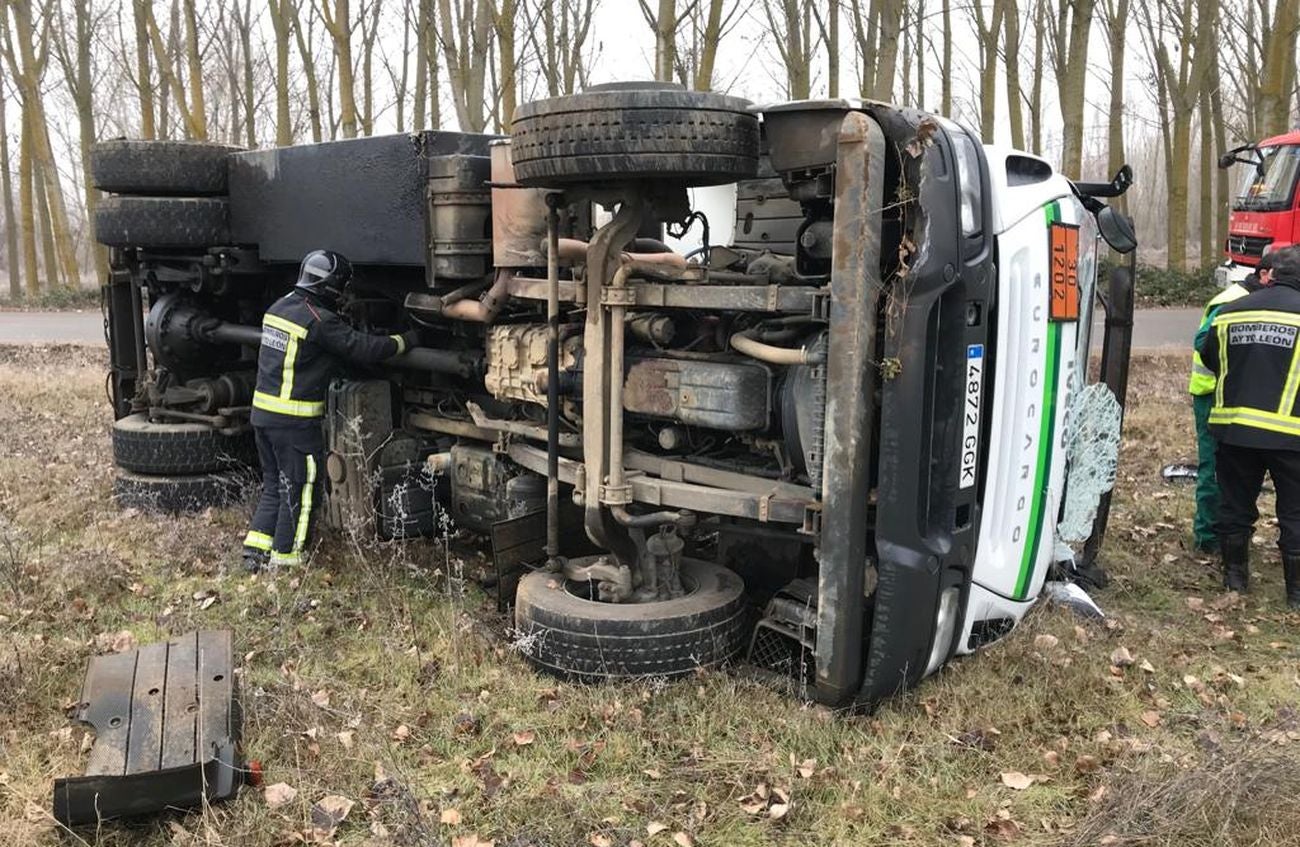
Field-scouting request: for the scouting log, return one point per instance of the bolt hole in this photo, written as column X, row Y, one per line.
column 218, row 677
column 115, row 722
column 153, row 691
column 191, row 708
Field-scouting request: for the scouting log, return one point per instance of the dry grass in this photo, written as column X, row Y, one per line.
column 428, row 702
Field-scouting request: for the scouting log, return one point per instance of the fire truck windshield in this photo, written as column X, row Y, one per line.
column 1270, row 186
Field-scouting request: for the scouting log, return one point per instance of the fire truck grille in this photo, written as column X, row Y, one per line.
column 1247, row 245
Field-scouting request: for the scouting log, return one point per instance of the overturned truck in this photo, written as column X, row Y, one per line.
column 828, row 435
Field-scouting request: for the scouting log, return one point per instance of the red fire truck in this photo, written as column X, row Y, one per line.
column 1266, row 208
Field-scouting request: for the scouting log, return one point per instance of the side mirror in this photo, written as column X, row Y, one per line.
column 1117, row 229
column 1226, row 160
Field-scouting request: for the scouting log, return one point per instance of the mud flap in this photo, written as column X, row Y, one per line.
column 166, row 720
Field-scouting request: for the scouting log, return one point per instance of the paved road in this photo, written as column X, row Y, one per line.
column 82, row 327
column 1155, row 329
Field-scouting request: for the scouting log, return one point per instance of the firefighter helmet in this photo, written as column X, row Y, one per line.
column 325, row 274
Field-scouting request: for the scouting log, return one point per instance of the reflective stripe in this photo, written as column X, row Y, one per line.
column 280, row 323
column 1202, row 379
column 1222, row 331
column 1284, row 318
column 257, row 540
column 304, row 511
column 286, row 372
column 296, row 408
column 1257, row 418
column 278, row 559
column 1292, row 384
column 401, row 344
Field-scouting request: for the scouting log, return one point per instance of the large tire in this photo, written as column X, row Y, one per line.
column 635, row 131
column 572, row 636
column 177, row 494
column 162, row 222
column 146, row 447
column 179, row 168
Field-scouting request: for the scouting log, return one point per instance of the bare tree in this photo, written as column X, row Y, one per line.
column 308, row 55
column 1070, row 52
column 12, row 258
column 790, row 25
column 1114, row 19
column 142, row 11
column 559, row 43
column 663, row 23
column 426, row 67
column 465, row 28
column 338, row 22
column 72, row 49
column 875, row 33
column 504, row 13
column 194, row 69
column 988, row 31
column 702, row 28
column 369, row 20
column 195, row 122
column 1015, row 95
column 282, row 15
column 26, row 65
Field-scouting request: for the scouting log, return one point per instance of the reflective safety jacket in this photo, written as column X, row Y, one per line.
column 1252, row 348
column 303, row 345
column 1202, row 378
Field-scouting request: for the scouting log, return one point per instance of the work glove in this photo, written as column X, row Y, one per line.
column 410, row 338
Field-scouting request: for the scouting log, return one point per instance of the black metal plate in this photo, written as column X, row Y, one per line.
column 166, row 722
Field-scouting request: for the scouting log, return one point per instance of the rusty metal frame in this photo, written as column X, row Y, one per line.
column 850, row 388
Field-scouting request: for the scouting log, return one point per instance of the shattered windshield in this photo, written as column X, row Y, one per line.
column 1269, row 186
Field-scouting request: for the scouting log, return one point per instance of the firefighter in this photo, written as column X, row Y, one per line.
column 1201, row 386
column 304, row 344
column 1252, row 348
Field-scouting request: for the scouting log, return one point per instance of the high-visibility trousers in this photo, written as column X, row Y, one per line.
column 293, row 467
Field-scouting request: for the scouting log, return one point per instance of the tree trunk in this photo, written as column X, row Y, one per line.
column 12, row 258
column 987, row 33
column 945, row 73
column 1221, row 194
column 1072, row 78
column 27, row 208
column 423, row 37
column 339, row 24
column 505, row 30
column 920, row 54
column 713, row 37
column 1036, row 81
column 198, row 109
column 1209, row 248
column 887, row 54
column 1117, row 19
column 832, row 47
column 49, row 257
column 195, row 124
column 1015, row 97
column 281, row 23
column 144, row 79
column 1277, row 76
column 369, row 33
column 665, row 31
column 309, row 71
column 26, row 70
column 246, row 45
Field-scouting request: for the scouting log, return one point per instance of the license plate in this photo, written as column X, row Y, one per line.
column 970, row 438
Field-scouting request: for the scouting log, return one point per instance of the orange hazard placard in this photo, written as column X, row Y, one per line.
column 1065, row 272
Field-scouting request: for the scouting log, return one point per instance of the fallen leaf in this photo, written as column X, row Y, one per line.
column 402, row 734
column 778, row 810
column 681, row 839
column 654, row 828
column 1086, row 764
column 1147, row 666
column 807, row 768
column 1046, row 641
column 1121, row 657
column 451, row 817
column 321, row 698
column 524, row 738
column 330, row 811
column 600, row 840
column 345, row 738
column 1151, row 718
column 471, row 840
column 1016, row 780
column 279, row 794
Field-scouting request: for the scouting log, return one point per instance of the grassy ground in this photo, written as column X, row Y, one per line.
column 81, row 297
column 383, row 675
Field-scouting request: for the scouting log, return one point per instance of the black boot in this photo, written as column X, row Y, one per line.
column 1236, row 562
column 1291, row 569
column 255, row 560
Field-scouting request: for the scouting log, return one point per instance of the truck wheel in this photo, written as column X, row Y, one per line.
column 563, row 632
column 175, row 494
column 162, row 222
column 185, row 168
column 630, row 131
column 146, row 447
